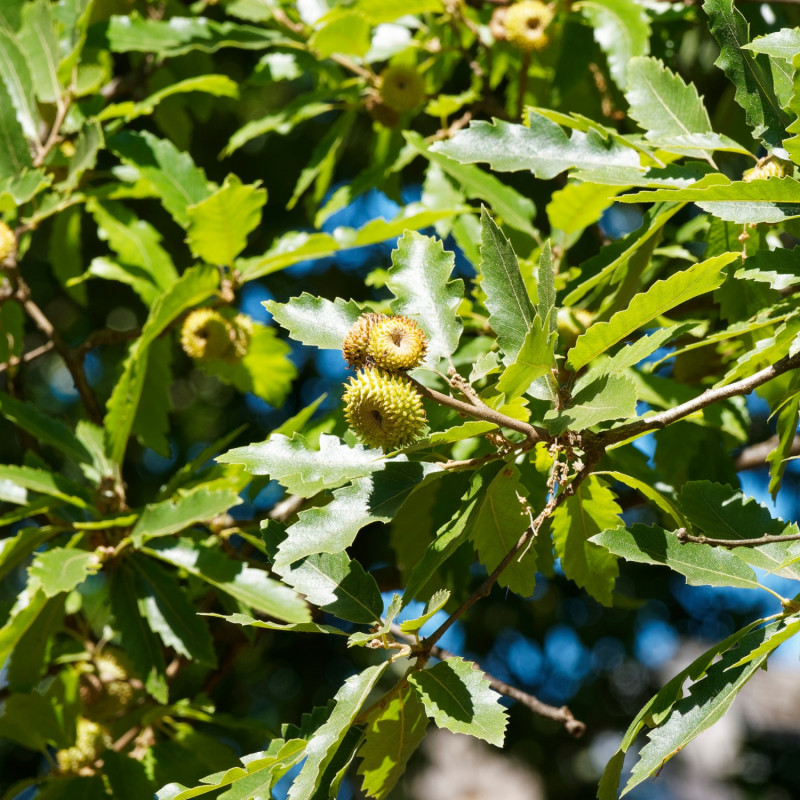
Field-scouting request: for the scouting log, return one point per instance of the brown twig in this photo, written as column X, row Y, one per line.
column 685, row 537
column 707, row 398
column 25, row 358
column 563, row 716
column 484, row 412
column 755, row 455
column 287, row 507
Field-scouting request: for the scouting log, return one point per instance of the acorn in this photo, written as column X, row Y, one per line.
column 526, row 24
column 356, row 342
column 90, row 740
column 384, row 410
column 208, row 335
column 397, row 344
column 768, row 167
column 401, row 88
column 8, row 241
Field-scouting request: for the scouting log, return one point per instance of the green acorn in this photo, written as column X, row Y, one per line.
column 243, row 332
column 90, row 740
column 768, row 167
column 8, row 242
column 401, row 88
column 526, row 24
column 208, row 335
column 384, row 410
column 397, row 344
column 356, row 342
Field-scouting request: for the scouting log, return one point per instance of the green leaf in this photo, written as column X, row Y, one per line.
column 754, row 92
column 663, row 104
column 217, row 85
column 650, row 492
column 499, row 521
column 138, row 248
column 329, row 580
column 30, row 657
column 787, row 420
column 322, row 747
column 418, row 278
column 378, row 11
column 301, row 470
column 18, row 82
column 38, row 480
column 15, row 154
column 127, row 775
column 170, row 174
column 389, row 741
column 316, row 321
column 784, row 43
column 23, row 615
column 593, row 508
column 657, row 708
column 200, row 504
column 136, row 637
column 219, row 224
column 194, row 286
column 658, row 299
column 294, row 627
column 32, row 721
column 621, row 29
column 510, row 310
column 452, row 534
column 265, row 370
column 770, row 200
column 515, row 210
column 779, row 268
column 706, row 703
column 456, row 694
column 701, row 564
column 37, row 39
column 178, row 35
column 579, row 205
column 43, row 427
column 62, row 569
column 433, row 606
column 792, row 144
column 721, row 512
column 14, row 550
column 541, row 147
column 163, row 603
column 343, row 31
column 373, row 498
column 610, row 397
column 248, row 585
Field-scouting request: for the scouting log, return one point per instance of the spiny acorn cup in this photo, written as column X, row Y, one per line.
column 208, row 335
column 769, row 167
column 7, row 241
column 356, row 342
column 526, row 23
column 91, row 739
column 397, row 344
column 384, row 410
column 402, row 88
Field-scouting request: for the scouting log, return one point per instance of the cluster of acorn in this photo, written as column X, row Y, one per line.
column 208, row 335
column 381, row 405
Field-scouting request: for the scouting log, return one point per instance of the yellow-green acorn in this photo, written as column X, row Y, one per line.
column 397, row 344
column 384, row 410
column 356, row 342
column 769, row 167
column 401, row 88
column 526, row 24
column 208, row 335
column 8, row 241
column 90, row 740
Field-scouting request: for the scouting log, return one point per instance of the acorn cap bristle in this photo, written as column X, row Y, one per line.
column 384, row 410
column 526, row 23
column 356, row 342
column 397, row 344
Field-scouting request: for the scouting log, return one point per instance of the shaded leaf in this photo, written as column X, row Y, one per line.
column 593, row 508
column 610, row 397
column 456, row 694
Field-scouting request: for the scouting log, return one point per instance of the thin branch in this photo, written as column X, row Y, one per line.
column 707, row 398
column 25, row 358
column 484, row 412
column 685, row 537
column 755, row 455
column 287, row 507
column 563, row 716
column 523, row 541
